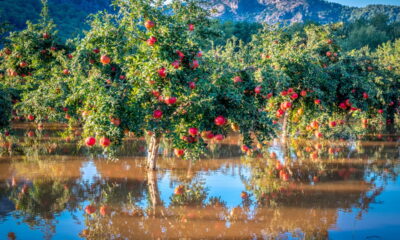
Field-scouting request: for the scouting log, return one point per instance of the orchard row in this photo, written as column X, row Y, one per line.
column 150, row 69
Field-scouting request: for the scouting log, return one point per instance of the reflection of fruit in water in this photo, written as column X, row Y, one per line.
column 11, row 236
column 85, row 233
column 90, row 209
column 244, row 195
column 104, row 210
column 179, row 190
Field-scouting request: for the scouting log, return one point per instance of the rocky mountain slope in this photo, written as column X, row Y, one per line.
column 290, row 11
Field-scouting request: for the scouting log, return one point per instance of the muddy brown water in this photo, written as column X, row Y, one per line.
column 350, row 192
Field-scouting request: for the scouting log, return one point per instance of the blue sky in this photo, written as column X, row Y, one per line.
column 362, row 3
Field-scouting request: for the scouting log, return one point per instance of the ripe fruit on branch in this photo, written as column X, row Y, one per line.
column 180, row 54
column 30, row 117
column 317, row 101
column 176, row 64
column 66, row 71
column 179, row 152
column 191, row 27
column 23, row 64
column 237, row 79
column 193, row 131
column 96, row 50
column 207, row 135
column 155, row 93
column 46, row 35
column 162, row 72
column 314, row 124
column 280, row 113
column 105, row 142
column 245, row 148
column 149, row 24
column 380, row 111
column 220, row 120
column 90, row 141
column 328, row 54
column 105, row 59
column 219, row 137
column 332, row 124
column 195, row 64
column 286, row 105
column 157, row 114
column 257, row 89
column 192, row 85
column 170, row 100
column 365, row 95
column 343, row 106
column 318, row 134
column 303, row 93
column 151, row 41
column 294, row 96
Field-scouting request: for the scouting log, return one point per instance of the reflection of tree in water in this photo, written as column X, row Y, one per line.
column 40, row 201
column 306, row 185
column 305, row 204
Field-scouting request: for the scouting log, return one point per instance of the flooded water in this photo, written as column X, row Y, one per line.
column 332, row 190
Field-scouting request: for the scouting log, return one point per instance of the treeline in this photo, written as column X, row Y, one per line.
column 69, row 16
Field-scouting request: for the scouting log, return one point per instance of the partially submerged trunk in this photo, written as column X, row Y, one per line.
column 152, row 152
column 284, row 128
column 154, row 194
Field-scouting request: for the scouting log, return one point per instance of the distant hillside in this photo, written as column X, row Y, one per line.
column 69, row 15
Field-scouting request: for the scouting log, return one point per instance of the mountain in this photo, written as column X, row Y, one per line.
column 291, row 11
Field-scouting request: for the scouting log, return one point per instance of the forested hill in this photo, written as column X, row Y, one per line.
column 70, row 15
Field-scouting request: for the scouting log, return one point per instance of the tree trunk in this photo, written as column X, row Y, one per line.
column 153, row 188
column 284, row 127
column 154, row 194
column 390, row 120
column 152, row 152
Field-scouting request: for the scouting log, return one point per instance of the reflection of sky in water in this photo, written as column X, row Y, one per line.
column 89, row 172
column 228, row 186
column 381, row 221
